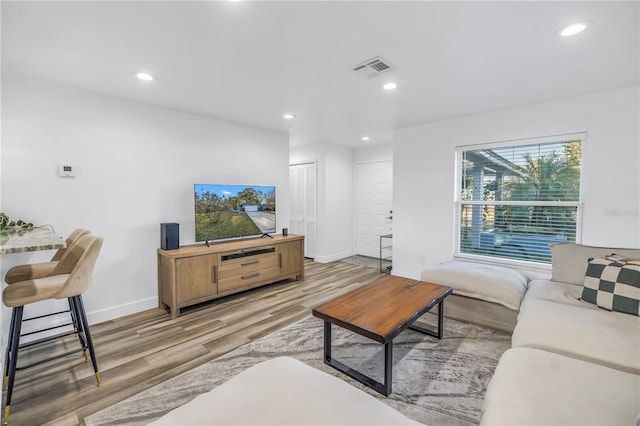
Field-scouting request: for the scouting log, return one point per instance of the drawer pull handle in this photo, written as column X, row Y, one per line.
column 280, row 260
column 251, row 263
column 215, row 274
column 246, row 277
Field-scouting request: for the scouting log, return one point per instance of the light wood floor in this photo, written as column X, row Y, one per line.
column 144, row 349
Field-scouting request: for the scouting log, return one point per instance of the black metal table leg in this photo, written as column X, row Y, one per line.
column 327, row 342
column 440, row 318
column 388, row 366
column 437, row 333
column 383, row 388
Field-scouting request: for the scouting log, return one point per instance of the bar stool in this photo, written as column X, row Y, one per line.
column 62, row 262
column 68, row 285
column 42, row 269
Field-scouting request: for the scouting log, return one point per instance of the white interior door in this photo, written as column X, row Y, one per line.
column 374, row 201
column 302, row 199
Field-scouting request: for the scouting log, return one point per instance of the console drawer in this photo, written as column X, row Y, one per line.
column 244, row 266
column 256, row 276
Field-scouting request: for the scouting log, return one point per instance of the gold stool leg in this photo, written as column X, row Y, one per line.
column 98, row 379
column 6, row 415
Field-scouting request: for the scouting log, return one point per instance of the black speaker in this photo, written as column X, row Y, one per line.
column 169, row 236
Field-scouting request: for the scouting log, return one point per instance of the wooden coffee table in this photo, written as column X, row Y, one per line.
column 380, row 311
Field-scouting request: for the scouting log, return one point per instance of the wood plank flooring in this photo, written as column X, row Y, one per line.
column 144, row 349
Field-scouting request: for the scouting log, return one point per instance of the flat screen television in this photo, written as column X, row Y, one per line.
column 233, row 211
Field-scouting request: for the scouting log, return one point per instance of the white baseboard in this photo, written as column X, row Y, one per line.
column 333, row 257
column 118, row 311
column 404, row 274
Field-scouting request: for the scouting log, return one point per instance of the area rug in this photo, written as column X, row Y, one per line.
column 436, row 382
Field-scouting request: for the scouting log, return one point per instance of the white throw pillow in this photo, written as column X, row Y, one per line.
column 491, row 283
column 569, row 260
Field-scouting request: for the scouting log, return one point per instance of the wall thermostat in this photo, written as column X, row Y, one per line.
column 66, row 171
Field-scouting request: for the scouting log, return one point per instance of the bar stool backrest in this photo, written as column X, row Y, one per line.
column 80, row 279
column 69, row 258
column 72, row 238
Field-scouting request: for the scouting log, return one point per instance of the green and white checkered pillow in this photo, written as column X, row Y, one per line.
column 613, row 283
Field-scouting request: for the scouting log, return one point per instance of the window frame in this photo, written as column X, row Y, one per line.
column 458, row 202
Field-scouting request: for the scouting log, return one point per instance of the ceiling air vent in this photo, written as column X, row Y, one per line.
column 373, row 67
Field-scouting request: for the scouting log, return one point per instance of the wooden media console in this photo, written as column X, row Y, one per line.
column 197, row 273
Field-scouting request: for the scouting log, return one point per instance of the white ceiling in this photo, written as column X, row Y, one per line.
column 250, row 62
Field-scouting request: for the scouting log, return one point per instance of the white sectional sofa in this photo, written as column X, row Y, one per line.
column 483, row 294
column 284, row 391
column 571, row 362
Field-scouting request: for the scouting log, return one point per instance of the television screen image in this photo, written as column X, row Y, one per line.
column 232, row 211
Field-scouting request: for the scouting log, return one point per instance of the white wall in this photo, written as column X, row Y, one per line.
column 136, row 166
column 424, row 158
column 335, row 198
column 373, row 153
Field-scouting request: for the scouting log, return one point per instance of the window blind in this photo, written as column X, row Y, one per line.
column 514, row 201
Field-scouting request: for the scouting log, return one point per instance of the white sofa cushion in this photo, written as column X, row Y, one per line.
column 491, row 283
column 538, row 387
column 553, row 291
column 581, row 331
column 284, row 391
column 569, row 260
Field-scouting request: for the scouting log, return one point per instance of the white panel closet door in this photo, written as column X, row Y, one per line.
column 296, row 211
column 374, row 201
column 302, row 185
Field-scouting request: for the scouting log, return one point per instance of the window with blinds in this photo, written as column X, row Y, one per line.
column 515, row 199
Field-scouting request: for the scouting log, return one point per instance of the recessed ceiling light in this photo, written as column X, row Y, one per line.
column 365, row 138
column 574, row 29
column 145, row 76
column 288, row 116
column 390, row 86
